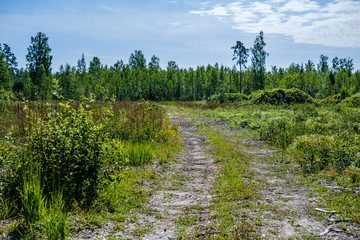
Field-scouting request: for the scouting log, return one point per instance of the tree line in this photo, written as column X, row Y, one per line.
column 137, row 80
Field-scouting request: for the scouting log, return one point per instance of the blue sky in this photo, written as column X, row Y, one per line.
column 191, row 33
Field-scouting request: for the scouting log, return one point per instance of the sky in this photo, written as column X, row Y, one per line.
column 189, row 32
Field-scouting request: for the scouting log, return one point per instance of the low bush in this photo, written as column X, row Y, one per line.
column 278, row 131
column 318, row 152
column 334, row 99
column 353, row 101
column 280, row 96
column 228, row 98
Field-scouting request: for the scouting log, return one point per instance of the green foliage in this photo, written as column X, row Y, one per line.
column 280, row 96
column 7, row 208
column 278, row 131
column 128, row 154
column 228, row 97
column 57, row 156
column 33, row 200
column 68, row 148
column 138, row 122
column 56, row 226
column 121, row 191
column 353, row 101
column 313, row 152
column 334, row 99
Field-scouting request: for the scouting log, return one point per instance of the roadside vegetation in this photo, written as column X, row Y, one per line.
column 321, row 139
column 66, row 161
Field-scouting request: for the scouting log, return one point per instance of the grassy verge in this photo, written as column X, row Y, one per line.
column 91, row 165
column 322, row 140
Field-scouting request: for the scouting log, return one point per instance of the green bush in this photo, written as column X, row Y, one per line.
column 280, row 96
column 228, row 98
column 353, row 101
column 278, row 131
column 334, row 99
column 318, row 152
column 66, row 148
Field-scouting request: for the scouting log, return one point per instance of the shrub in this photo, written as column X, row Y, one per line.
column 228, row 98
column 66, row 148
column 334, row 99
column 280, row 96
column 278, row 131
column 353, row 101
column 318, row 152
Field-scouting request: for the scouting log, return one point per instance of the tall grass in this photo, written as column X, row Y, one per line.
column 33, row 200
column 56, row 227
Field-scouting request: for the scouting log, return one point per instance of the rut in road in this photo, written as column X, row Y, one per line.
column 184, row 197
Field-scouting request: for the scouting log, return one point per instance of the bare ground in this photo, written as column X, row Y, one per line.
column 184, row 197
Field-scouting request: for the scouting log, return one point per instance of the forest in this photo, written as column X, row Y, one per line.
column 137, row 80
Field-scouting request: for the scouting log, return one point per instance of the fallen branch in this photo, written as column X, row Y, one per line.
column 324, row 211
column 329, row 229
column 326, row 231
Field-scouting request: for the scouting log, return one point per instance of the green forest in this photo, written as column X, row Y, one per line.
column 142, row 80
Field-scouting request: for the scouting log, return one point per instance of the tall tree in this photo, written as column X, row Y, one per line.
column 39, row 54
column 5, row 74
column 258, row 60
column 323, row 64
column 95, row 66
column 309, row 66
column 137, row 59
column 10, row 57
column 81, row 65
column 154, row 63
column 241, row 54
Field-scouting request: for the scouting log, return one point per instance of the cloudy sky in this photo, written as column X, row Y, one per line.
column 189, row 32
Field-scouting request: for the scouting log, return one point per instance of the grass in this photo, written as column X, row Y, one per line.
column 232, row 193
column 309, row 135
column 134, row 140
column 236, row 186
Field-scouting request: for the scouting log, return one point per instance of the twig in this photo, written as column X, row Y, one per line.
column 326, row 231
column 324, row 211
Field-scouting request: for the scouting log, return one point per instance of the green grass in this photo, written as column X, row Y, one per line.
column 100, row 155
column 232, row 193
column 322, row 139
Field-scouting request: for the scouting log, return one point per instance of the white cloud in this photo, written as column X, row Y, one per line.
column 174, row 24
column 335, row 24
column 300, row 6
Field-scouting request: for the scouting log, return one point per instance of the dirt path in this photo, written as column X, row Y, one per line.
column 286, row 201
column 284, row 206
column 182, row 203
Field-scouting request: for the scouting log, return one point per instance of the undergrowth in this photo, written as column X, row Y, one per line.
column 60, row 160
